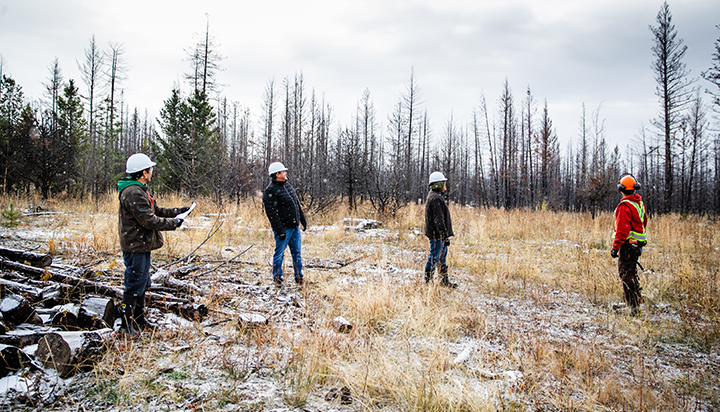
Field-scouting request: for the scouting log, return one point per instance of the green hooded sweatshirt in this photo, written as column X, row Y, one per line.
column 127, row 181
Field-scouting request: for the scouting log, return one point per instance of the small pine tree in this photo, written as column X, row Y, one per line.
column 11, row 216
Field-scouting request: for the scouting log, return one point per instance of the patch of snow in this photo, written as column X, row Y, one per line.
column 14, row 383
column 360, row 224
column 464, row 355
column 174, row 322
column 513, row 376
column 30, row 349
column 9, row 303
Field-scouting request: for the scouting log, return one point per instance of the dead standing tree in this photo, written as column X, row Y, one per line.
column 672, row 90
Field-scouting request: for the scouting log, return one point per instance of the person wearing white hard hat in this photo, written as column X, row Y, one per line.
column 285, row 214
column 140, row 221
column 438, row 228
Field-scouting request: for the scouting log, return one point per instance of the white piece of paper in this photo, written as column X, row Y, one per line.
column 184, row 215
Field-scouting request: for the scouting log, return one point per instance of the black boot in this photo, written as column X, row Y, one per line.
column 444, row 281
column 139, row 315
column 127, row 326
column 428, row 275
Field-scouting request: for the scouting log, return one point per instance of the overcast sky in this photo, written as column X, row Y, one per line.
column 569, row 52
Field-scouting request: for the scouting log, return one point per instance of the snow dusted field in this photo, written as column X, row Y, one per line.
column 536, row 323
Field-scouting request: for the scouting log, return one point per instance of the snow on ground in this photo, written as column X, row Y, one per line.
column 539, row 323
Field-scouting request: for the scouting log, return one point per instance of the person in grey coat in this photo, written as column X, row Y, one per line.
column 438, row 228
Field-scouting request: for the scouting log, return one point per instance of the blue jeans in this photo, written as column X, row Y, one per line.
column 137, row 272
column 292, row 240
column 438, row 253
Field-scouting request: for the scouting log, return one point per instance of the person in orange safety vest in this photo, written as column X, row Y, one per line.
column 630, row 237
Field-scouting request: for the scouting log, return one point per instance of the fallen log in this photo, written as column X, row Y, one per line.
column 66, row 316
column 30, row 292
column 92, row 313
column 59, row 294
column 223, row 263
column 39, row 291
column 96, row 313
column 35, row 259
column 20, row 339
column 85, row 286
column 183, row 271
column 164, row 297
column 65, row 293
column 179, row 306
column 163, row 277
column 330, row 263
column 12, row 359
column 69, row 352
column 341, row 325
column 25, row 337
column 360, row 225
column 85, row 273
column 190, row 311
column 16, row 310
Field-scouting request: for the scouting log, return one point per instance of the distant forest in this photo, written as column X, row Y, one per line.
column 74, row 141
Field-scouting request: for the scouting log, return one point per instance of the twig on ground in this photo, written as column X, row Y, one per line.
column 213, row 229
column 222, row 264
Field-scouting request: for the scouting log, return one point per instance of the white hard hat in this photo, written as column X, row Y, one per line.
column 138, row 162
column 437, row 177
column 276, row 167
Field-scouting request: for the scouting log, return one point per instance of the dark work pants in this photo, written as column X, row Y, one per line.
column 137, row 273
column 627, row 269
column 294, row 242
column 438, row 255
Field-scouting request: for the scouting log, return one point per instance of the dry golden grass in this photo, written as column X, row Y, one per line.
column 536, row 297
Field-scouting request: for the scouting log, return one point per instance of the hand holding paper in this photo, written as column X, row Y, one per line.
column 182, row 216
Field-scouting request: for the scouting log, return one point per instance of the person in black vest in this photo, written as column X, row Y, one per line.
column 438, row 228
column 285, row 215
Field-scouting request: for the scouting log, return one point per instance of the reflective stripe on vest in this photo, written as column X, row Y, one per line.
column 639, row 236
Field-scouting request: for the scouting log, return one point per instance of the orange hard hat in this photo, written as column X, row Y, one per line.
column 627, row 183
